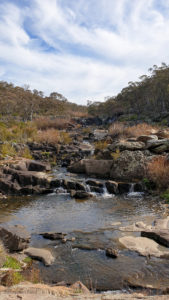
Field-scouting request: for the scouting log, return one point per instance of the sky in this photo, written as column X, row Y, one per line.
column 83, row 49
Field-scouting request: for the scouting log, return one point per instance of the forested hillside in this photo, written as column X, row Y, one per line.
column 21, row 102
column 148, row 97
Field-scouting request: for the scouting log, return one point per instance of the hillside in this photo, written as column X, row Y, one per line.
column 24, row 104
column 146, row 99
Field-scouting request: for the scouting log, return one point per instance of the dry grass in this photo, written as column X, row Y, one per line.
column 158, row 170
column 45, row 123
column 53, row 136
column 120, row 130
column 117, row 130
column 140, row 129
column 49, row 136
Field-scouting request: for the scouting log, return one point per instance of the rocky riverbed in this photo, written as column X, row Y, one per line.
column 95, row 221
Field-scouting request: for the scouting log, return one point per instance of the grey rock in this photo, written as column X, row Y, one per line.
column 15, row 238
column 112, row 187
column 43, row 255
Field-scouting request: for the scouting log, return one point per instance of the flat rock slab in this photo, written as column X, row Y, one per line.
column 144, row 246
column 43, row 255
column 15, row 238
column 161, row 236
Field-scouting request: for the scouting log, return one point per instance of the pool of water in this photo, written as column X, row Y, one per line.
column 95, row 225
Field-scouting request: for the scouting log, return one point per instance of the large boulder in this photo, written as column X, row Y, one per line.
column 100, row 134
column 99, row 168
column 37, row 166
column 160, row 236
column 43, row 255
column 130, row 165
column 143, row 246
column 127, row 145
column 158, row 146
column 146, row 138
column 15, row 238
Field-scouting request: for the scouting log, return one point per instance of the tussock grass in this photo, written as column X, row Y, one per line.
column 158, row 170
column 45, row 123
column 120, row 130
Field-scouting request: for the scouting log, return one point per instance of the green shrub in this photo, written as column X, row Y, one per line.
column 101, row 145
column 7, row 149
column 165, row 195
column 12, row 263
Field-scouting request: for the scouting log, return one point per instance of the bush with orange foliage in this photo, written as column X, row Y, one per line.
column 158, row 170
column 120, row 130
column 44, row 123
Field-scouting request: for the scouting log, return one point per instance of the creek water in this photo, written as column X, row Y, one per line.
column 95, row 225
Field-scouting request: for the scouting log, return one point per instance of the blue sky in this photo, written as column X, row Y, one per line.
column 84, row 49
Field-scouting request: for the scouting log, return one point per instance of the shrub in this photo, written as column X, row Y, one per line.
column 165, row 195
column 116, row 130
column 49, row 136
column 119, row 130
column 11, row 263
column 7, row 149
column 45, row 123
column 12, row 278
column 158, row 170
column 101, row 145
column 25, row 153
column 33, row 275
column 65, row 138
column 116, row 154
column 139, row 129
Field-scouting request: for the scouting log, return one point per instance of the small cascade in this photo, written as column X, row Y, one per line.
column 106, row 194
column 132, row 193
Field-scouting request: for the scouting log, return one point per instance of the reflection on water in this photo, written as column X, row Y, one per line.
column 90, row 222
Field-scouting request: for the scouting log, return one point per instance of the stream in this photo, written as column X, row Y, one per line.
column 94, row 223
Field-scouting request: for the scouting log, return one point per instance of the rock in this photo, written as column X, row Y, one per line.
column 43, row 255
column 111, row 253
column 55, row 183
column 160, row 149
column 112, row 187
column 93, row 182
column 130, row 165
column 78, row 167
column 143, row 246
column 138, row 187
column 15, row 238
column 53, row 235
column 126, row 145
column 79, row 286
column 161, row 236
column 100, row 168
column 73, row 185
column 96, row 189
column 80, row 194
column 100, row 134
column 15, row 181
column 161, row 223
column 152, row 144
column 146, row 138
column 124, row 187
column 136, row 227
column 163, row 133
column 36, row 166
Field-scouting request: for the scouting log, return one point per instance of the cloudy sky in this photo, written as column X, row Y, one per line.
column 84, row 49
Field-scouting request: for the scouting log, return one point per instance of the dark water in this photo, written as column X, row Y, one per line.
column 94, row 223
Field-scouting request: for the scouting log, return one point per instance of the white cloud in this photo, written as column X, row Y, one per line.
column 97, row 45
